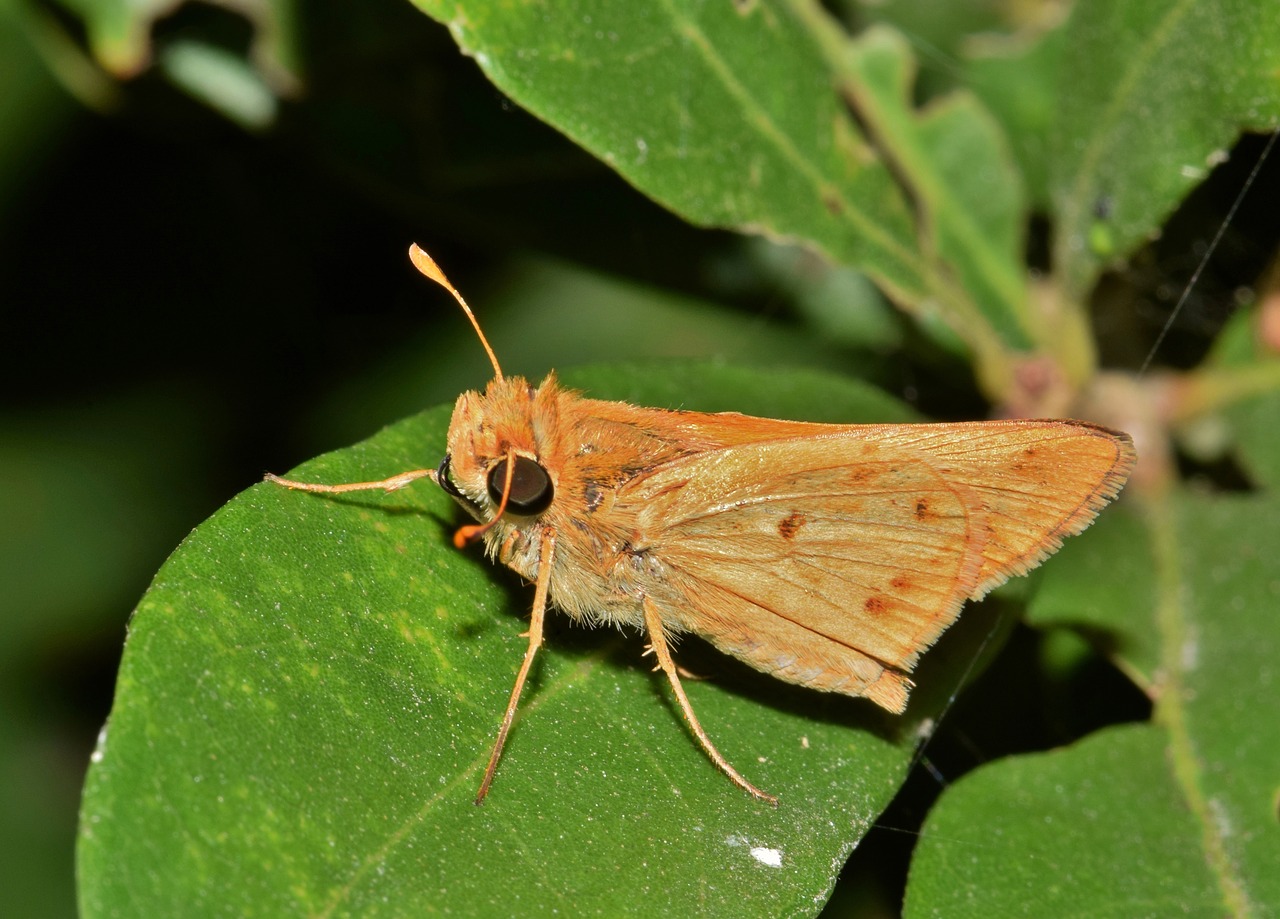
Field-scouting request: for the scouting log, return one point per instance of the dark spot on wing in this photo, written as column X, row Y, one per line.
column 860, row 475
column 791, row 525
column 876, row 606
column 1029, row 460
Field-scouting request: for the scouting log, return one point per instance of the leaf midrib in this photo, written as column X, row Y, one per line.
column 1172, row 620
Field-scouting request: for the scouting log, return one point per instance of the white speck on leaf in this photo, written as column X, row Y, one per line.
column 767, row 856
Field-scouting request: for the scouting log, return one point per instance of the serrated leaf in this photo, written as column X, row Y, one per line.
column 311, row 686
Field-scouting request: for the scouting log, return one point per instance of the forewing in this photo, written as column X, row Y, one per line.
column 1038, row 481
column 833, row 560
column 827, row 561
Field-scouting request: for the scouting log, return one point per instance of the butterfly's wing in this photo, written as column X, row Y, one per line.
column 833, row 561
column 1038, row 481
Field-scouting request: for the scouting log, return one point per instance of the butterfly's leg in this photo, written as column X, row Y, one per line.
column 658, row 643
column 545, row 557
column 391, row 484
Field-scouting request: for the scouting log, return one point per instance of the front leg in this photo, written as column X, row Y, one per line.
column 545, row 559
column 393, row 483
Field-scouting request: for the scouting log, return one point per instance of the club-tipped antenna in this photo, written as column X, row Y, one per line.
column 427, row 265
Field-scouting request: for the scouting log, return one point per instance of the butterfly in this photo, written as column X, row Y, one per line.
column 828, row 556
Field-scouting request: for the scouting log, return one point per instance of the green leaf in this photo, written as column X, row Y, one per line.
column 1253, row 422
column 1179, row 816
column 965, row 184
column 119, row 32
column 222, row 80
column 840, row 305
column 1105, row 587
column 34, row 108
column 311, row 686
column 1150, row 96
column 726, row 113
column 1238, row 390
column 1016, row 79
column 731, row 115
column 1091, row 830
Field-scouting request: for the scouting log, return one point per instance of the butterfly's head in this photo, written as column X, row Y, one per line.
column 494, row 465
column 495, row 448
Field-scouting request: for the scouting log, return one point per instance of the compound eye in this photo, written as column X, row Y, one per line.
column 531, row 489
column 446, row 483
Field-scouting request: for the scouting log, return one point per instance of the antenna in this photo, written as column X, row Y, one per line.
column 427, row 265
